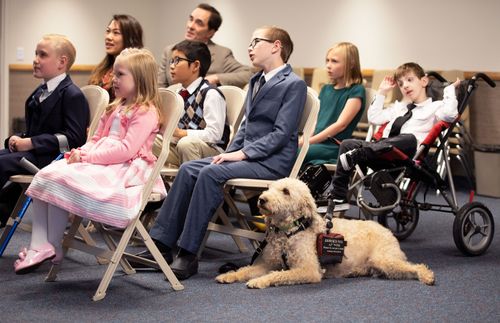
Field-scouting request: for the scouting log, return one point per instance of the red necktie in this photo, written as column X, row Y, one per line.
column 184, row 93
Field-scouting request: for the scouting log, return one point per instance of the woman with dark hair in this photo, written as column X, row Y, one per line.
column 122, row 32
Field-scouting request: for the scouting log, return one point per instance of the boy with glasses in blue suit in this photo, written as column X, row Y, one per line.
column 264, row 147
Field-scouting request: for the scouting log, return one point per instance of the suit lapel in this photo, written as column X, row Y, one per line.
column 278, row 78
column 211, row 48
column 250, row 103
column 30, row 105
column 50, row 102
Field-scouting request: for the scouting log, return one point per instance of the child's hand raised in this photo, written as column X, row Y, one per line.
column 456, row 83
column 387, row 84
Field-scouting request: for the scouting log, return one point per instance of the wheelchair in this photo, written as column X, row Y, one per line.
column 390, row 194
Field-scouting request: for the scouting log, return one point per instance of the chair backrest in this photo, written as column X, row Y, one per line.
column 319, row 78
column 235, row 99
column 299, row 71
column 175, row 87
column 306, row 127
column 369, row 95
column 172, row 108
column 98, row 99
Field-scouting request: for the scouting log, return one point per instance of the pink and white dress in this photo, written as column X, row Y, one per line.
column 108, row 192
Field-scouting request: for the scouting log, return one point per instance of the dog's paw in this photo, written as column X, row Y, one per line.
column 227, row 278
column 426, row 276
column 258, row 283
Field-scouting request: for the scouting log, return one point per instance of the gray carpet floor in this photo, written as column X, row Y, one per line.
column 467, row 288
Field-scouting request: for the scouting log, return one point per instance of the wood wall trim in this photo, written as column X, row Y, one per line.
column 29, row 68
column 495, row 76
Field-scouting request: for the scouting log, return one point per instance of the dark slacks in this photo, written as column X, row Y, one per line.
column 370, row 153
column 195, row 195
column 10, row 164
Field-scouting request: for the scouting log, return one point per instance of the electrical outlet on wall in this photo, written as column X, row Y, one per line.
column 20, row 54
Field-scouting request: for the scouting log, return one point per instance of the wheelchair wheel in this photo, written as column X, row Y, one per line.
column 473, row 229
column 402, row 221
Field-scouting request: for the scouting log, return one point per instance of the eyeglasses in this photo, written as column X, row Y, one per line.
column 176, row 60
column 257, row 40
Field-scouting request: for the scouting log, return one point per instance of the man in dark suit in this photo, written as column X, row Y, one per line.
column 57, row 114
column 201, row 26
column 265, row 147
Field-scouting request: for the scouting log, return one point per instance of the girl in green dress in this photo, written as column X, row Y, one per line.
column 341, row 104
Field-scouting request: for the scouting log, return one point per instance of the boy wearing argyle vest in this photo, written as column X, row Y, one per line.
column 202, row 130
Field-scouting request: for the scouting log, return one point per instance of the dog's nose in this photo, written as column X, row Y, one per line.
column 262, row 201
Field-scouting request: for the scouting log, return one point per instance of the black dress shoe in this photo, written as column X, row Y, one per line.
column 167, row 255
column 185, row 266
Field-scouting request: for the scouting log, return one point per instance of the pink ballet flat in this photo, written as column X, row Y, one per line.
column 30, row 262
column 23, row 253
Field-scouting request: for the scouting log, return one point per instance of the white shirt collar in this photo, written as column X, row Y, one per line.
column 194, row 85
column 54, row 82
column 423, row 103
column 273, row 72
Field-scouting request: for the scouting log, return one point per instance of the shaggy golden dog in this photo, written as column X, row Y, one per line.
column 371, row 249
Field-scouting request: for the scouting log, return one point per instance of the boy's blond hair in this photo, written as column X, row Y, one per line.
column 144, row 69
column 63, row 47
column 352, row 67
column 407, row 68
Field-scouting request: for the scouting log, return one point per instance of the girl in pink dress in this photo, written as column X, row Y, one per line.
column 103, row 179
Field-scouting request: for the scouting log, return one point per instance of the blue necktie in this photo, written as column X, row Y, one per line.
column 39, row 92
column 258, row 85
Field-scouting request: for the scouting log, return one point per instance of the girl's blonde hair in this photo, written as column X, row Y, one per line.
column 144, row 70
column 352, row 68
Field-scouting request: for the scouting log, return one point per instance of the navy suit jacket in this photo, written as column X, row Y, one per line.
column 269, row 132
column 64, row 111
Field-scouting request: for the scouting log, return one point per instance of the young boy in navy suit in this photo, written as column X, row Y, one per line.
column 264, row 147
column 56, row 113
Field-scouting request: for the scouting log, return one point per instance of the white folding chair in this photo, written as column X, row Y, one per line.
column 235, row 98
column 306, row 126
column 172, row 108
column 98, row 99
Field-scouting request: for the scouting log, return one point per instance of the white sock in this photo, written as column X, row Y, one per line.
column 57, row 222
column 40, row 224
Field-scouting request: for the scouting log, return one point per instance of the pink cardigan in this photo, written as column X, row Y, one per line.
column 137, row 133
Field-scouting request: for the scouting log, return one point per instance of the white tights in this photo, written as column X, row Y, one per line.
column 49, row 224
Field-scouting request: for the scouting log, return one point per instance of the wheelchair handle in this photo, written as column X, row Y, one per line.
column 437, row 76
column 485, row 77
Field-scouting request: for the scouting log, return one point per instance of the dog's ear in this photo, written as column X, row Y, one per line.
column 308, row 204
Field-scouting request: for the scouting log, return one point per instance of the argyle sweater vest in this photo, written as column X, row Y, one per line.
column 193, row 112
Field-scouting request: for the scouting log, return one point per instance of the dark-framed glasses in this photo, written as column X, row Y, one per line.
column 257, row 40
column 176, row 60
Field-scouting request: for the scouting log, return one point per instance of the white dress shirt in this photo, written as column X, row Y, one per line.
column 273, row 72
column 51, row 86
column 424, row 115
column 214, row 114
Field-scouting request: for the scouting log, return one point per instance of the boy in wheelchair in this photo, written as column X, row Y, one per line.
column 408, row 122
